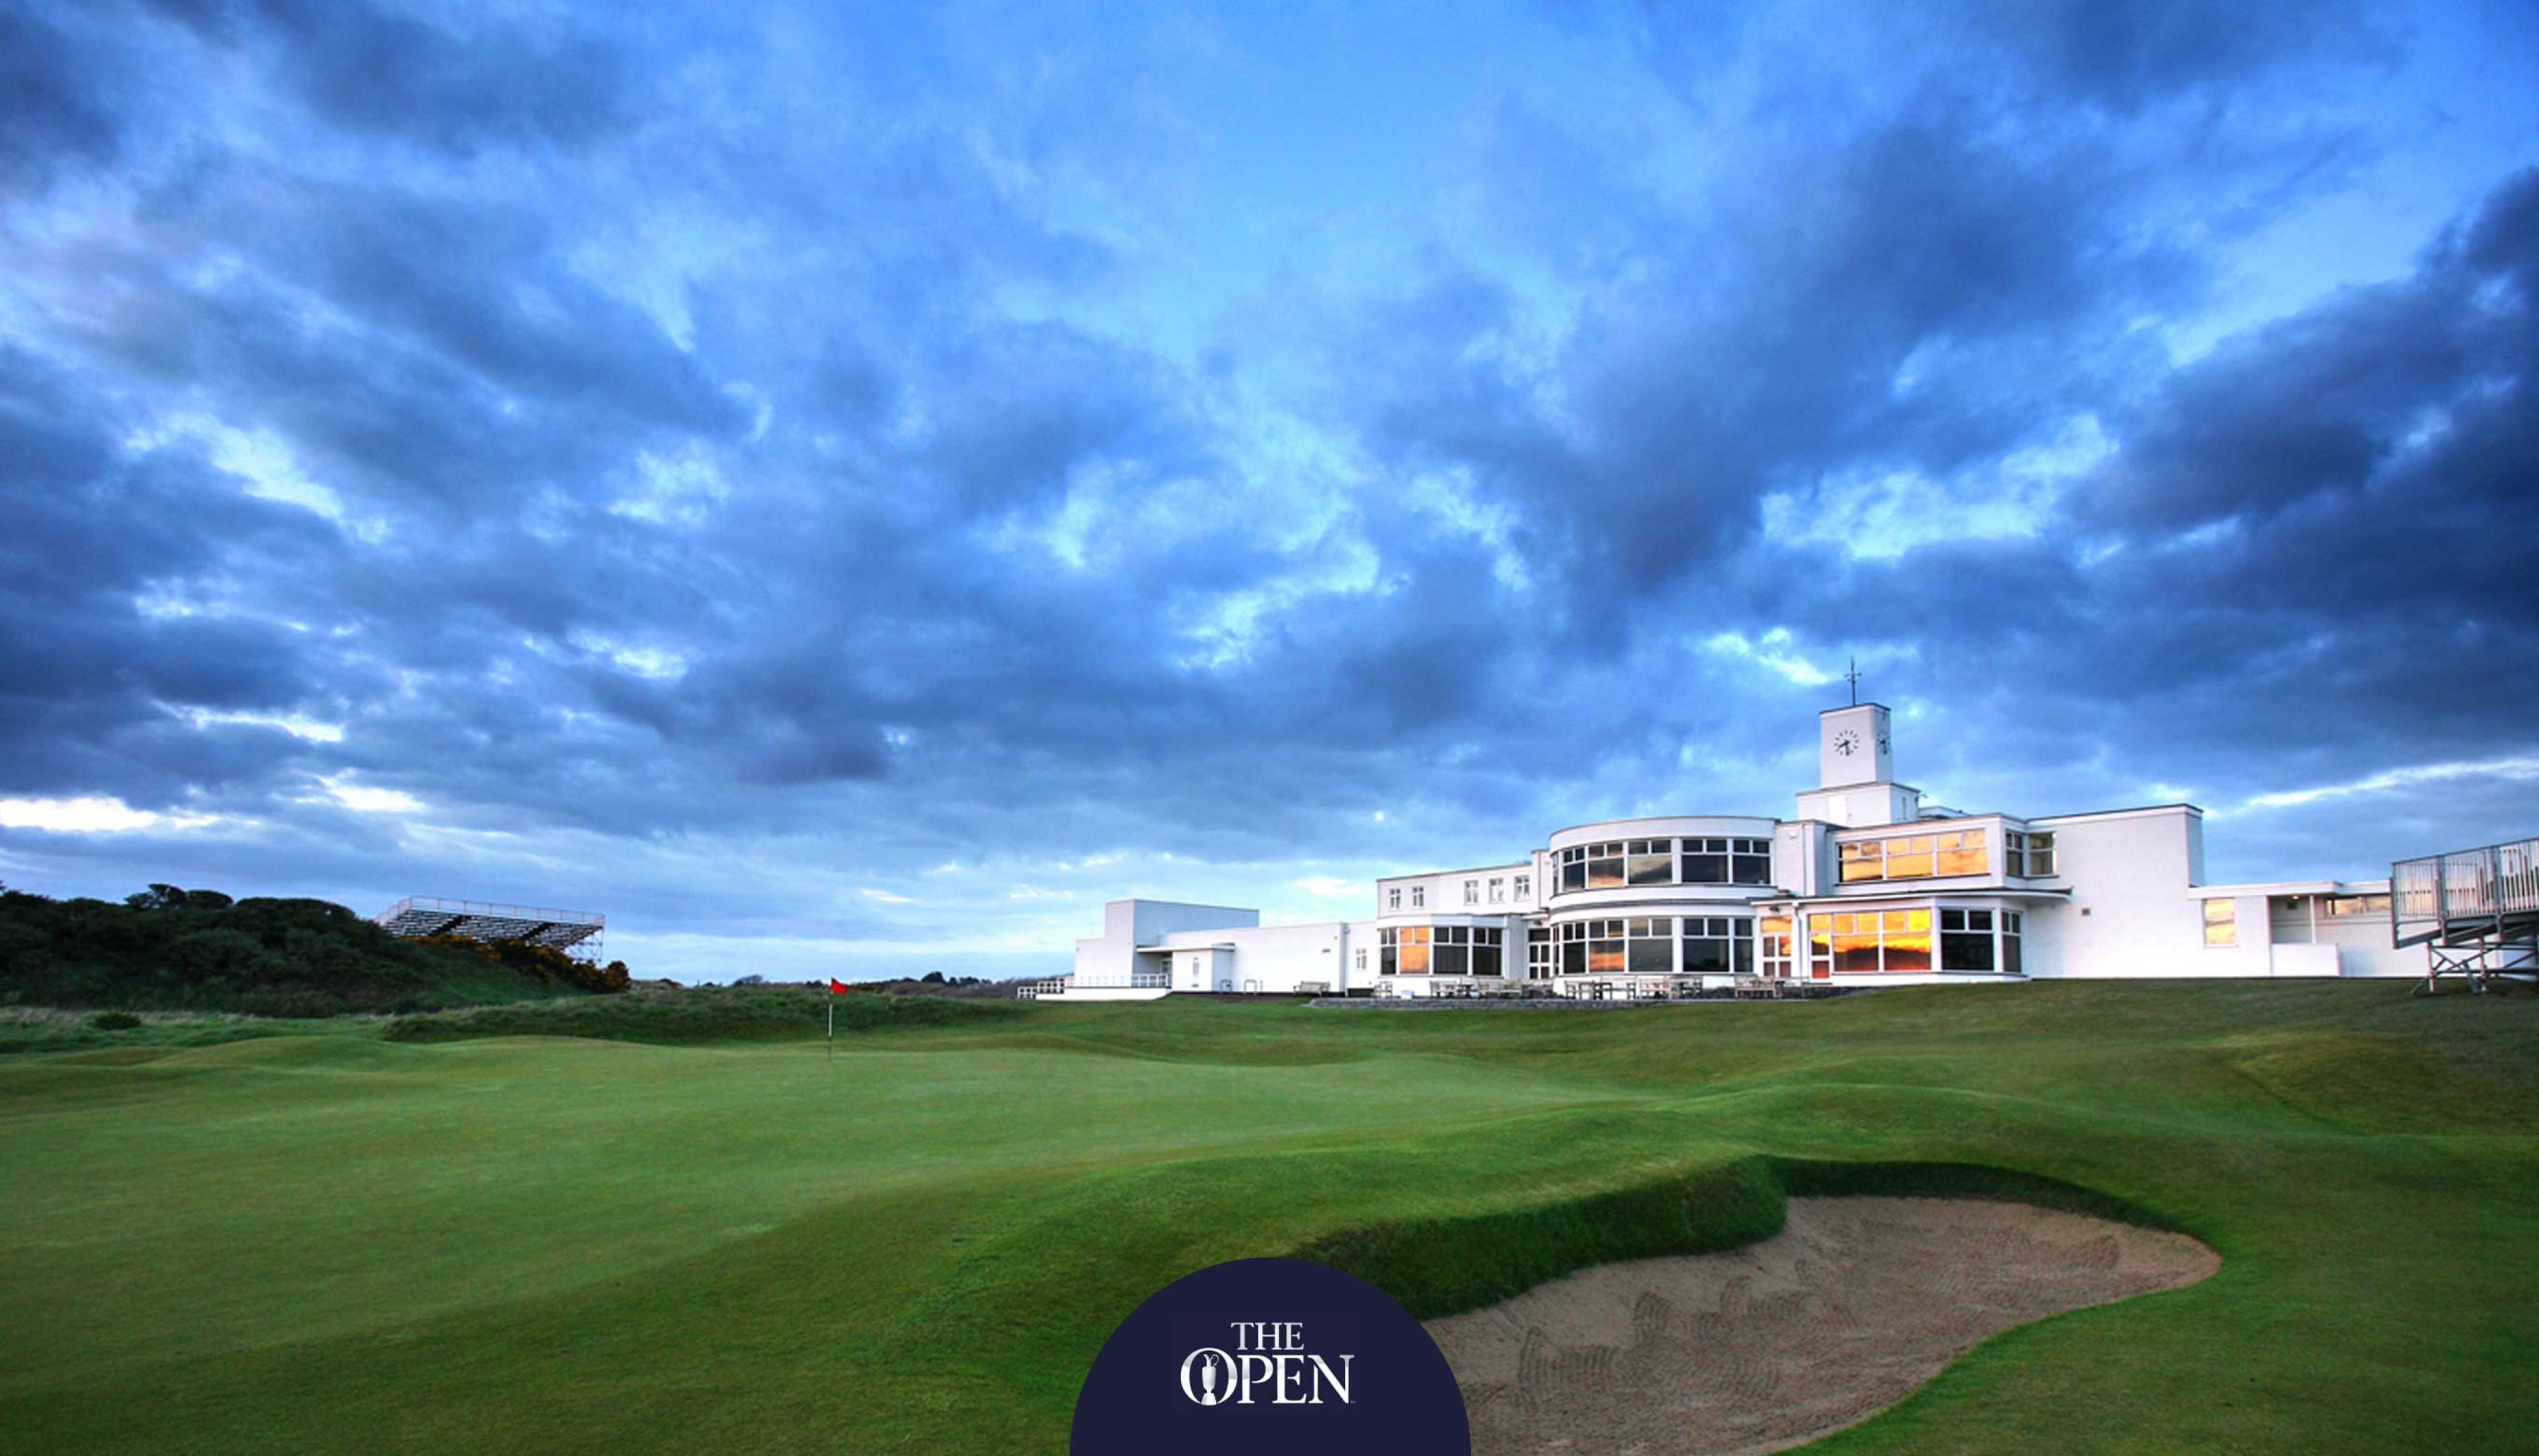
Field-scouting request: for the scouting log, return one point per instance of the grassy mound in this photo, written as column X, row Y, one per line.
column 170, row 949
column 1445, row 1266
column 696, row 1014
column 1439, row 1266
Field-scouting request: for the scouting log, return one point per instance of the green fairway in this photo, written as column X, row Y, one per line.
column 343, row 1243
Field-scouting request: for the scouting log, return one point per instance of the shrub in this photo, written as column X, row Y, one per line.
column 115, row 1020
column 171, row 949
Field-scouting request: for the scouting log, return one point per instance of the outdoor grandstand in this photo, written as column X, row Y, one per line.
column 577, row 932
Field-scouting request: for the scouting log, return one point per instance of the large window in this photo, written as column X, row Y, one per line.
column 1605, row 948
column 1776, row 944
column 1870, row 942
column 1538, row 954
column 1650, row 862
column 1593, row 947
column 1467, row 950
column 1405, row 950
column 1965, row 940
column 2011, row 929
column 1914, row 855
column 1719, row 946
column 2220, row 923
column 1705, row 862
column 1652, row 946
column 1453, row 953
column 1605, row 866
column 1749, row 862
column 2335, row 906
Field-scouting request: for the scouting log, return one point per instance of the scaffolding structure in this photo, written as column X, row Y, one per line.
column 2476, row 913
column 579, row 934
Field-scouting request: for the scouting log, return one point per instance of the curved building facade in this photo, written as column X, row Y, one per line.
column 1866, row 885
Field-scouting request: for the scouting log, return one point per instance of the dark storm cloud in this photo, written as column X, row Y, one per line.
column 2325, row 514
column 2322, row 403
column 92, row 527
column 54, row 105
column 1755, row 349
column 377, row 70
column 2128, row 56
column 703, row 453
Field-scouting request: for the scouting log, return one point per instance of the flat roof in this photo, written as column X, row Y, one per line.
column 2337, row 887
column 2143, row 808
column 1526, row 864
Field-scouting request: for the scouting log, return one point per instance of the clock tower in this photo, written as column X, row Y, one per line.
column 1853, row 746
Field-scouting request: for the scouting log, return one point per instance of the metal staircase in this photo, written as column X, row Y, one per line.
column 2476, row 913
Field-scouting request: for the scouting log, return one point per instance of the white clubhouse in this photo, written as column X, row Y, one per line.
column 1868, row 885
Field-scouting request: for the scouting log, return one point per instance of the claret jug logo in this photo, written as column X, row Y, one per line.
column 1269, row 1358
column 1268, row 1361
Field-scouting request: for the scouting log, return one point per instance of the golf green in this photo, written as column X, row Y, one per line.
column 338, row 1243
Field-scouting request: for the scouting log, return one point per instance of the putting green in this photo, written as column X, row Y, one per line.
column 537, row 1244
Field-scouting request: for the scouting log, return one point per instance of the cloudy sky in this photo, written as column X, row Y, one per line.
column 853, row 493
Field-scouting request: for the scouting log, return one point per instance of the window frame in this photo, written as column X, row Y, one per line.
column 2227, row 924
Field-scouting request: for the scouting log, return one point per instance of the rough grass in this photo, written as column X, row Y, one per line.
column 563, row 1244
column 693, row 1016
column 698, row 1014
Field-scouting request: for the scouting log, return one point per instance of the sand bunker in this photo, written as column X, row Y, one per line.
column 1854, row 1304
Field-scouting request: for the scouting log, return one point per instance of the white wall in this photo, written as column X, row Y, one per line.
column 1442, row 891
column 2130, row 914
column 1802, row 857
column 2360, row 942
column 1270, row 959
column 1108, row 959
column 1862, row 805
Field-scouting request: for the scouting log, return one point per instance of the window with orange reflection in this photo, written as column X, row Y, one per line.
column 1415, row 951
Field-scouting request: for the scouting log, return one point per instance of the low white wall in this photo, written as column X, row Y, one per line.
column 1110, row 992
column 1270, row 960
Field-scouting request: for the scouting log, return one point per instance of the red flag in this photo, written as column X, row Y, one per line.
column 838, row 986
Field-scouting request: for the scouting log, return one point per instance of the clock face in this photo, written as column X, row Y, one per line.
column 1846, row 742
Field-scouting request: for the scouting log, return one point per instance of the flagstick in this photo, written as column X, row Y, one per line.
column 833, row 1028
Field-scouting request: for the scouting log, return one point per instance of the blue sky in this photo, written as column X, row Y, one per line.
column 849, row 491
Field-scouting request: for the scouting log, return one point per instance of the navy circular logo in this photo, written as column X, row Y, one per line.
column 1269, row 1355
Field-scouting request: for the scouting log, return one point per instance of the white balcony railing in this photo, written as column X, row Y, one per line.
column 2433, row 895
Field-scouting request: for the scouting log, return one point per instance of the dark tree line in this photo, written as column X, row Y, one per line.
column 171, row 948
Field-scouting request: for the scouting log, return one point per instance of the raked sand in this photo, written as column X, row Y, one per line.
column 1842, row 1314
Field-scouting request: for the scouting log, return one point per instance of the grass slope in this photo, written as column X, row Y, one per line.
column 534, row 1243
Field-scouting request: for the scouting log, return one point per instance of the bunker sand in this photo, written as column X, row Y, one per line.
column 1845, row 1312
